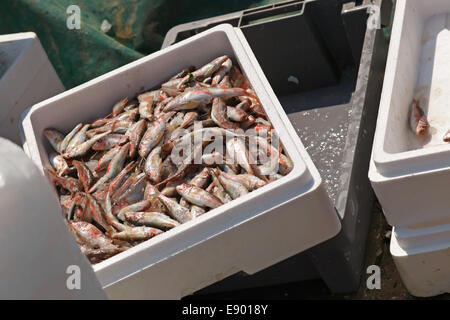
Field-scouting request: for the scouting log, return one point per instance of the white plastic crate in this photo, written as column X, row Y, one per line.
column 251, row 233
column 422, row 257
column 26, row 78
column 411, row 175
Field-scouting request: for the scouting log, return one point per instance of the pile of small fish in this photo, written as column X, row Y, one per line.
column 122, row 179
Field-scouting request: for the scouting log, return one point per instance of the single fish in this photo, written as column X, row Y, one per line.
column 212, row 158
column 220, row 193
column 191, row 99
column 176, row 211
column 197, row 211
column 135, row 192
column 104, row 161
column 168, row 168
column 97, row 213
column 84, row 174
column 55, row 138
column 114, row 167
column 117, row 181
column 201, row 180
column 137, row 234
column 58, row 163
column 83, row 148
column 249, row 181
column 234, row 188
column 152, row 96
column 219, row 115
column 237, row 150
column 151, row 219
column 64, row 144
column 110, row 141
column 146, row 109
column 270, row 162
column 285, row 164
column 225, row 83
column 71, row 184
column 115, row 126
column 198, row 196
column 447, row 136
column 173, row 87
column 204, row 72
column 90, row 234
column 135, row 133
column 79, row 208
column 223, row 70
column 119, row 106
column 238, row 80
column 135, row 207
column 217, row 189
column 169, row 191
column 78, row 138
column 110, row 218
column 153, row 135
column 97, row 255
column 129, row 115
column 189, row 119
column 237, row 115
column 418, row 120
column 153, row 165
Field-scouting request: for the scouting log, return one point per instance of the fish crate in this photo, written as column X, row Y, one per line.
column 325, row 60
column 248, row 234
column 26, row 77
column 422, row 257
column 410, row 174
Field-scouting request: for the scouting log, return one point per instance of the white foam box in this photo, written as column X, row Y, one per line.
column 248, row 234
column 411, row 175
column 422, row 257
column 26, row 78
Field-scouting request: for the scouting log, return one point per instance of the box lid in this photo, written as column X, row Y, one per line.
column 34, row 265
column 26, row 77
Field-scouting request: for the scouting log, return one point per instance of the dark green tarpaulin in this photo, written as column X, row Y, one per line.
column 138, row 28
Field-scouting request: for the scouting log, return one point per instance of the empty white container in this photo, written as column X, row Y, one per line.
column 411, row 175
column 422, row 257
column 26, row 78
column 251, row 233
